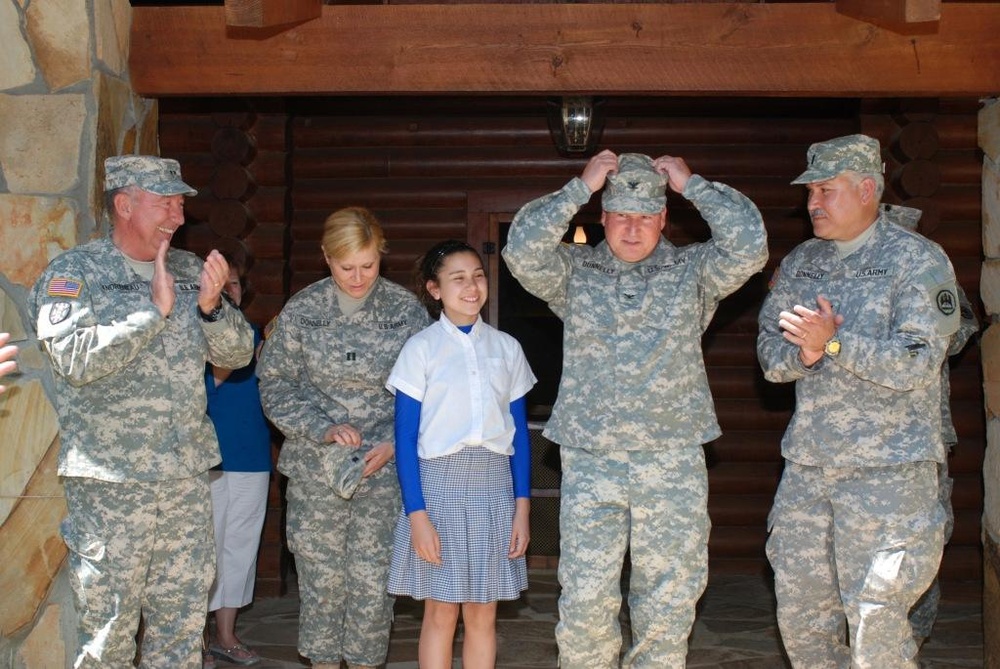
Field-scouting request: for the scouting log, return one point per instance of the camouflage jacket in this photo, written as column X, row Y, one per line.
column 319, row 367
column 908, row 217
column 129, row 383
column 968, row 326
column 878, row 402
column 633, row 374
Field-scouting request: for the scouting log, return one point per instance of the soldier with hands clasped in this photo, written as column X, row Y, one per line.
column 860, row 319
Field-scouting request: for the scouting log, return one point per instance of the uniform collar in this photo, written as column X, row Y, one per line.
column 452, row 329
column 851, row 246
column 353, row 304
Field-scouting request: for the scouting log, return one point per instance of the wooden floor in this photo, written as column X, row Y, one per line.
column 735, row 629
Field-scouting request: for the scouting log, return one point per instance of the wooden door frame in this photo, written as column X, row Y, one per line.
column 486, row 211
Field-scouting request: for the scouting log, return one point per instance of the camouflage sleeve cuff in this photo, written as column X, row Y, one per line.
column 214, row 326
column 810, row 370
column 696, row 185
column 319, row 435
column 577, row 191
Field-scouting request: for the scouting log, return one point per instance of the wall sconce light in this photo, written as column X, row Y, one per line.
column 579, row 235
column 576, row 123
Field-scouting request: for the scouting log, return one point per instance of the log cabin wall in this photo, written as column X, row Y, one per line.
column 271, row 170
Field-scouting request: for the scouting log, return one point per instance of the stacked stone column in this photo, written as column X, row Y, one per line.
column 989, row 142
column 65, row 104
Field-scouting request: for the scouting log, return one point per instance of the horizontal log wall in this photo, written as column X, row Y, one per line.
column 426, row 166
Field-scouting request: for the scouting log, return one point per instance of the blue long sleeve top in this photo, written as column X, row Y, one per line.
column 408, row 463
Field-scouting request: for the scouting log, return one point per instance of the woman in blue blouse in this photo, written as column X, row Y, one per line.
column 239, row 488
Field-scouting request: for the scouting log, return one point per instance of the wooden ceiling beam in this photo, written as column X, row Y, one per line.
column 902, row 16
column 271, row 13
column 778, row 49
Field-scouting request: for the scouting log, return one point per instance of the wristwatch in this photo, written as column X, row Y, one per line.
column 213, row 315
column 832, row 347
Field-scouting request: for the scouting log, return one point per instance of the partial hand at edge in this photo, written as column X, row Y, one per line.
column 7, row 355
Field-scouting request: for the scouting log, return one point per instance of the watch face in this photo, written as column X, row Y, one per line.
column 832, row 347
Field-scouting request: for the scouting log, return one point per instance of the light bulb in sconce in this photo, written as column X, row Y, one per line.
column 579, row 235
column 576, row 123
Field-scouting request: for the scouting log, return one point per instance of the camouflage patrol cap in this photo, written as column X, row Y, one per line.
column 636, row 187
column 348, row 477
column 150, row 173
column 857, row 153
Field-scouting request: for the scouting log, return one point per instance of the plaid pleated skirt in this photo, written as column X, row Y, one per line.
column 470, row 502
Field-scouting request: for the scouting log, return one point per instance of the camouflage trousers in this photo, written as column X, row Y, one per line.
column 852, row 551
column 342, row 553
column 654, row 504
column 140, row 546
column 924, row 612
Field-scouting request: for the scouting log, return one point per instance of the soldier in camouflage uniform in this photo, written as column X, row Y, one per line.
column 634, row 405
column 924, row 612
column 860, row 318
column 322, row 380
column 128, row 324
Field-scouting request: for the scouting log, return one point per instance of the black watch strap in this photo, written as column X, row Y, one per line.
column 212, row 316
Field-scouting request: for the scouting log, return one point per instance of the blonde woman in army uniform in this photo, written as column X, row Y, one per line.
column 322, row 376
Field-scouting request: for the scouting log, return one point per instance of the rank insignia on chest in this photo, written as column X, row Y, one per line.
column 350, row 356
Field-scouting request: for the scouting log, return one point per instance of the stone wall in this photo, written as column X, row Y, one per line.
column 989, row 142
column 65, row 104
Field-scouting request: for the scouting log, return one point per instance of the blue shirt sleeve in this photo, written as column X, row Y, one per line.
column 520, row 462
column 407, row 424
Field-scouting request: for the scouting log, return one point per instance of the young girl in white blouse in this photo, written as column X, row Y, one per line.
column 464, row 463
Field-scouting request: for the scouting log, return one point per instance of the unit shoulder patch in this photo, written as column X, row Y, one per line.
column 58, row 312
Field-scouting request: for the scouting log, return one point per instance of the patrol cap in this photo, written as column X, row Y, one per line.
column 636, row 187
column 857, row 153
column 150, row 173
column 348, row 477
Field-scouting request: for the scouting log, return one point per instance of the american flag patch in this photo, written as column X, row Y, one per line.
column 63, row 287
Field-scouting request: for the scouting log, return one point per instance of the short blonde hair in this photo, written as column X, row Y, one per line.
column 350, row 230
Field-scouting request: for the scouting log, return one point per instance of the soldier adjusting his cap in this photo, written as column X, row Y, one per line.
column 634, row 407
